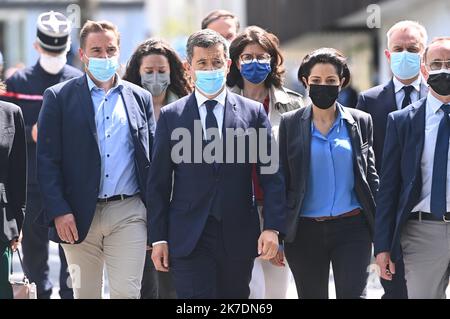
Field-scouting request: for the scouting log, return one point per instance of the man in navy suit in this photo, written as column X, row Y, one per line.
column 203, row 224
column 406, row 43
column 94, row 144
column 413, row 202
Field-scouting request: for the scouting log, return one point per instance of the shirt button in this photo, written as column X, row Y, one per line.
column 107, row 155
column 107, row 117
column 107, row 175
column 105, row 195
column 108, row 136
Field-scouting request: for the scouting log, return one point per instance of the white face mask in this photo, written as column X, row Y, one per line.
column 53, row 64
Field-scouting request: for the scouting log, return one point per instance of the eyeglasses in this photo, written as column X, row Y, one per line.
column 439, row 64
column 261, row 58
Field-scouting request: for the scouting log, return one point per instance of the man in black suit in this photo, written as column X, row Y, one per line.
column 413, row 202
column 406, row 43
column 13, row 173
column 207, row 218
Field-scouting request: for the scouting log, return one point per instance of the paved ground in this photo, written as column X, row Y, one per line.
column 374, row 289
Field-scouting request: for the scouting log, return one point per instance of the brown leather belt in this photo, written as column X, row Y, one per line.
column 352, row 213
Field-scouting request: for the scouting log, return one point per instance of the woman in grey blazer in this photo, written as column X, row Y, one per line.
column 328, row 162
column 12, row 187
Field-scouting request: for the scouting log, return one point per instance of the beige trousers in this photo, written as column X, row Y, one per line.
column 117, row 238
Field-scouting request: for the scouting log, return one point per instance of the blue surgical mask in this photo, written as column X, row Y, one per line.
column 405, row 65
column 210, row 82
column 103, row 69
column 255, row 71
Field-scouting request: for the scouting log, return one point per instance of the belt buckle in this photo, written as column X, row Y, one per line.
column 445, row 220
column 122, row 197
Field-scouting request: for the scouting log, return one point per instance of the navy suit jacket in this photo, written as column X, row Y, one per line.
column 379, row 101
column 68, row 157
column 197, row 188
column 401, row 177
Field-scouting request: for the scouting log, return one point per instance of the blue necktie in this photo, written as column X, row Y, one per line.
column 407, row 99
column 439, row 181
column 211, row 121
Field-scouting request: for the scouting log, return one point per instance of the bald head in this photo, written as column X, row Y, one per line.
column 438, row 50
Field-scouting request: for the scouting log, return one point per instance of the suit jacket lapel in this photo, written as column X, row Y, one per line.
column 86, row 102
column 130, row 109
column 389, row 97
column 417, row 116
column 304, row 133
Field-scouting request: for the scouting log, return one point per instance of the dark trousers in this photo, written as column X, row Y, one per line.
column 344, row 242
column 35, row 253
column 209, row 272
column 5, row 269
column 156, row 284
column 396, row 288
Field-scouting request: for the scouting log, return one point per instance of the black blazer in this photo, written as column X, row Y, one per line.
column 379, row 101
column 13, row 171
column 295, row 156
column 68, row 157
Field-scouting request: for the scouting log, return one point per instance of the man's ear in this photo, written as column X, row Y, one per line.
column 387, row 54
column 424, row 71
column 229, row 63
column 37, row 47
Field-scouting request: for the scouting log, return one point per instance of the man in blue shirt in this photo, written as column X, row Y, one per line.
column 94, row 143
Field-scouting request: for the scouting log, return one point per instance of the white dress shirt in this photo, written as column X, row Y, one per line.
column 433, row 117
column 400, row 93
column 218, row 110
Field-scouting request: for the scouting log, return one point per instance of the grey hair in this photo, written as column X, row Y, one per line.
column 408, row 24
column 205, row 39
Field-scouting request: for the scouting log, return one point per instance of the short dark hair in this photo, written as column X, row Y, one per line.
column 270, row 43
column 97, row 26
column 219, row 14
column 179, row 82
column 324, row 56
column 205, row 39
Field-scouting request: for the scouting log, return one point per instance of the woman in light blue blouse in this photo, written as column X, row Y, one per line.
column 328, row 162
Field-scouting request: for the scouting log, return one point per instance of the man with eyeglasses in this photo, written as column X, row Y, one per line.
column 413, row 202
column 406, row 42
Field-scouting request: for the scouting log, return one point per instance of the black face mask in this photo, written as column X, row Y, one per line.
column 440, row 83
column 323, row 96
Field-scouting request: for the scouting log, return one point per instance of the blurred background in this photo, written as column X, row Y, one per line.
column 356, row 27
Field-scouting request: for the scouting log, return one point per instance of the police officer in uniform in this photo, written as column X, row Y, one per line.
column 25, row 88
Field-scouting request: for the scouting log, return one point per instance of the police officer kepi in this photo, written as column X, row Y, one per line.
column 25, row 88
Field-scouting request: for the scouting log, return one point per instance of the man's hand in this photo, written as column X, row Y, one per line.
column 268, row 244
column 67, row 228
column 278, row 260
column 387, row 267
column 160, row 257
column 34, row 133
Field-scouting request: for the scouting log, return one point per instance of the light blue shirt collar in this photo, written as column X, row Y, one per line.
column 92, row 85
column 433, row 103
